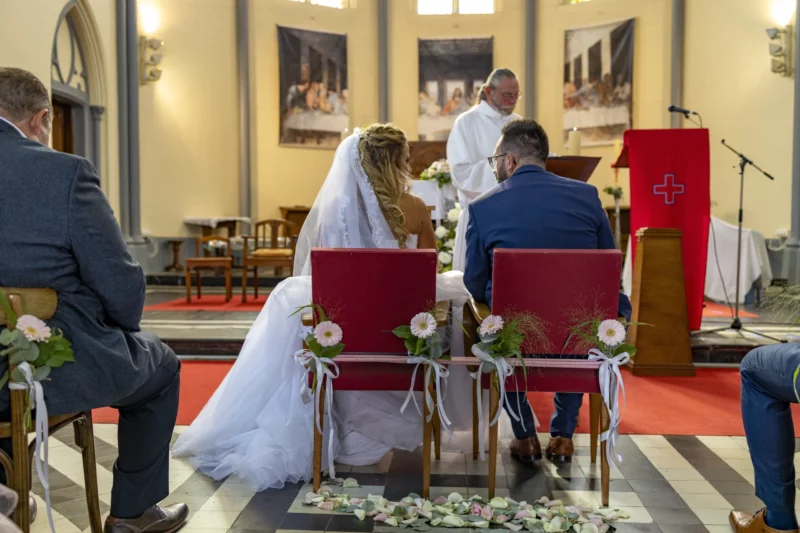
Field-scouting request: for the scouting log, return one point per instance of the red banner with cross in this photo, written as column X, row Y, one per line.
column 670, row 188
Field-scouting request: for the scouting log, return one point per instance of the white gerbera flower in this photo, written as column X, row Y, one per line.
column 441, row 232
column 34, row 329
column 453, row 214
column 491, row 325
column 611, row 332
column 423, row 325
column 445, row 258
column 328, row 333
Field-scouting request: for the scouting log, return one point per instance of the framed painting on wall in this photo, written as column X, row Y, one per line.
column 451, row 72
column 313, row 87
column 598, row 82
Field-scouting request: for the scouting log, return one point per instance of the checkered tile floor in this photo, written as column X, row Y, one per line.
column 668, row 484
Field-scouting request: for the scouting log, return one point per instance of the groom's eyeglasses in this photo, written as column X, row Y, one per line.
column 493, row 160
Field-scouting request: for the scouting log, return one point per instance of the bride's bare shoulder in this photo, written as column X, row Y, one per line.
column 413, row 206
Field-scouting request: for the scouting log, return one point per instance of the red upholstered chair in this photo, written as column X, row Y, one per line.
column 562, row 288
column 369, row 293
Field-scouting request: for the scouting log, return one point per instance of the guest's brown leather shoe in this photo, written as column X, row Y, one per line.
column 154, row 520
column 560, row 449
column 526, row 450
column 747, row 523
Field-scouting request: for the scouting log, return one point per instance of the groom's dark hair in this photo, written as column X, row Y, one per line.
column 526, row 139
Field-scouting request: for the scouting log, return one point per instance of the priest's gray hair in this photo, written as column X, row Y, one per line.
column 494, row 78
column 526, row 140
column 22, row 94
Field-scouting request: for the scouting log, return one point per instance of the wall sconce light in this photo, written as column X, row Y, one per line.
column 782, row 51
column 149, row 59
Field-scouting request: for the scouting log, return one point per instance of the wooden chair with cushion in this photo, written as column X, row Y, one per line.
column 203, row 260
column 369, row 293
column 273, row 245
column 41, row 303
column 569, row 287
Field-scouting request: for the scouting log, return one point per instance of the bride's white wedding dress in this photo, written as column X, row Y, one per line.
column 256, row 424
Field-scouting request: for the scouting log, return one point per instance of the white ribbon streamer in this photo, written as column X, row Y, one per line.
column 504, row 370
column 36, row 401
column 441, row 374
column 325, row 370
column 610, row 385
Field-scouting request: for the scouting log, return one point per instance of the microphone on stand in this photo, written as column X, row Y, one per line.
column 685, row 112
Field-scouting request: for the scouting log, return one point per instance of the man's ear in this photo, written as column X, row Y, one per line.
column 37, row 121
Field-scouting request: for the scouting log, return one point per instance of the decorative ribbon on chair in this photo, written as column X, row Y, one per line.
column 441, row 374
column 610, row 385
column 325, row 370
column 36, row 401
column 503, row 370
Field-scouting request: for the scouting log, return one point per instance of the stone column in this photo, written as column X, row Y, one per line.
column 791, row 257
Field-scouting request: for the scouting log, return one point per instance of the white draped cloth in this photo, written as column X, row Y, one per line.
column 256, row 425
column 472, row 140
column 721, row 280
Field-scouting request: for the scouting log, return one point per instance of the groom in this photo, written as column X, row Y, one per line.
column 532, row 208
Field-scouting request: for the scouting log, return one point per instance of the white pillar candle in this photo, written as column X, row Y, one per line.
column 574, row 142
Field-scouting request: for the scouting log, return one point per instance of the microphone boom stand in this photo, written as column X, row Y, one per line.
column 736, row 324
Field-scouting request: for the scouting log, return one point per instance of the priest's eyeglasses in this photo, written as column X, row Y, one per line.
column 493, row 160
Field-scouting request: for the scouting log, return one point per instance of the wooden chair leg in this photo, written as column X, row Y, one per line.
column 84, row 438
column 475, row 428
column 255, row 281
column 244, row 281
column 605, row 471
column 21, row 481
column 228, row 284
column 437, row 426
column 494, row 405
column 318, row 440
column 426, row 451
column 188, row 285
column 199, row 285
column 595, row 403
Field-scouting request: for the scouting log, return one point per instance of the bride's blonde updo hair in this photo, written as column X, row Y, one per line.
column 384, row 153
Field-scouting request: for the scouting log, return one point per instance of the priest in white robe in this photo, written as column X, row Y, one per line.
column 476, row 132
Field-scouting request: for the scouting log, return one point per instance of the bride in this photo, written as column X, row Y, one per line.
column 256, row 424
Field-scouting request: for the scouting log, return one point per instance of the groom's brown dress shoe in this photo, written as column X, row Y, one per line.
column 747, row 523
column 526, row 450
column 154, row 520
column 560, row 449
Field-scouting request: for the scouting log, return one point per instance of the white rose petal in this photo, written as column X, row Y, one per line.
column 450, row 244
column 360, row 514
column 453, row 214
column 441, row 232
column 445, row 258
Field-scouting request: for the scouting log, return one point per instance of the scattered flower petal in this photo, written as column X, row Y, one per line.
column 360, row 514
column 512, row 527
column 498, row 503
column 349, row 483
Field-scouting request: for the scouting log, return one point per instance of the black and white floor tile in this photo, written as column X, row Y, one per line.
column 668, row 484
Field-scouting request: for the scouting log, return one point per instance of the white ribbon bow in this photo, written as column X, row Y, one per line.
column 504, row 370
column 36, row 401
column 441, row 373
column 610, row 385
column 326, row 370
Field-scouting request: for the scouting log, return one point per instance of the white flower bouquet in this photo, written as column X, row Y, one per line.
column 421, row 337
column 439, row 171
column 446, row 239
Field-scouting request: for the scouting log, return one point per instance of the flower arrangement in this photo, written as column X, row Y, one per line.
column 439, row 171
column 504, row 337
column 421, row 337
column 615, row 191
column 325, row 339
column 29, row 340
column 455, row 511
column 607, row 336
column 446, row 239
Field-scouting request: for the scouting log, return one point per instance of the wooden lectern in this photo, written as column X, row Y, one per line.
column 573, row 166
column 663, row 348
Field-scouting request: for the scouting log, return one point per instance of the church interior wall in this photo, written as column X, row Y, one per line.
column 727, row 79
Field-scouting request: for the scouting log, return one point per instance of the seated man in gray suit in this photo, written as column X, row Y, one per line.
column 58, row 231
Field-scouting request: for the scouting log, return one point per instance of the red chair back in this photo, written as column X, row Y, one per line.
column 371, row 292
column 562, row 288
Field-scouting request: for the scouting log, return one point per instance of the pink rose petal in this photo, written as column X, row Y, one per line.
column 381, row 517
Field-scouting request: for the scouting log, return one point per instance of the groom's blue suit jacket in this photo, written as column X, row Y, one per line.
column 534, row 209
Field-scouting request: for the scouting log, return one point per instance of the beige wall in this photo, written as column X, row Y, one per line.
column 651, row 70
column 292, row 176
column 506, row 26
column 188, row 120
column 27, row 28
column 728, row 80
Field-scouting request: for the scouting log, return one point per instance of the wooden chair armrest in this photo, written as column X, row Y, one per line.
column 479, row 310
column 307, row 319
column 441, row 313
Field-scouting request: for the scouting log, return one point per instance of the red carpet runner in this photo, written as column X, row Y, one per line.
column 214, row 302
column 707, row 404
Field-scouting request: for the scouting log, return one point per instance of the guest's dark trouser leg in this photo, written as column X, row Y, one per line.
column 565, row 417
column 526, row 427
column 146, row 421
column 767, row 390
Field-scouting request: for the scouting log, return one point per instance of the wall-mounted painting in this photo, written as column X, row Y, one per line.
column 598, row 82
column 313, row 87
column 451, row 72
